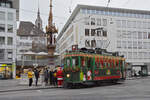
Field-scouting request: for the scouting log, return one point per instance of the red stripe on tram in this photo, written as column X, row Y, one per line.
column 106, row 77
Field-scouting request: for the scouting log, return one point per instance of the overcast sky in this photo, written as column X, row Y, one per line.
column 28, row 8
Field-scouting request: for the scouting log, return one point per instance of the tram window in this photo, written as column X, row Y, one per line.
column 75, row 61
column 68, row 62
column 82, row 61
column 97, row 63
column 89, row 62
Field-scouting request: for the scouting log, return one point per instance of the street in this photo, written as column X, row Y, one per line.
column 137, row 89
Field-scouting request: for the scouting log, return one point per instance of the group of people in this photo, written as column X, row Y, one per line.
column 49, row 77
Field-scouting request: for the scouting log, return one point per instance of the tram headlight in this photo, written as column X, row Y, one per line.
column 68, row 75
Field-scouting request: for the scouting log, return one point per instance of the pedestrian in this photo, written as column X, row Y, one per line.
column 36, row 73
column 55, row 77
column 60, row 77
column 51, row 78
column 46, row 76
column 30, row 76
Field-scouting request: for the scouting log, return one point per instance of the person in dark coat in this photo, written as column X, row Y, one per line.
column 51, row 78
column 55, row 77
column 36, row 73
column 46, row 76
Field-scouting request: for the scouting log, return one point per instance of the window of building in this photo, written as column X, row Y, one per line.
column 139, row 35
column 92, row 21
column 10, row 16
column 87, row 43
column 118, row 44
column 129, row 35
column 124, row 44
column 118, row 22
column 134, row 35
column 124, row 23
column 87, row 21
column 135, row 55
column 129, row 45
column 104, row 33
column 124, row 35
column 9, row 41
column 93, row 32
column 129, row 55
column 93, row 43
column 10, row 28
column 139, row 45
column 135, row 44
column 9, row 53
column 2, row 15
column 148, row 35
column 119, row 34
column 104, row 22
column 134, row 24
column 2, row 40
column 98, row 22
column 148, row 25
column 140, row 55
column 2, row 27
column 129, row 24
column 87, row 32
column 145, row 46
column 138, row 24
column 99, row 33
column 2, row 53
column 144, row 35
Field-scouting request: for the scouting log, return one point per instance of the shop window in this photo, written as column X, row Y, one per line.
column 2, row 27
column 87, row 32
column 92, row 21
column 9, row 41
column 93, row 32
column 10, row 29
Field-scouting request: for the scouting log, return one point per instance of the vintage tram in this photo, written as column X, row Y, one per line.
column 87, row 66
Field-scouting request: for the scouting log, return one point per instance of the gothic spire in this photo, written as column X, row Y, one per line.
column 50, row 14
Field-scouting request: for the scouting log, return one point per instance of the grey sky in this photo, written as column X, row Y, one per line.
column 28, row 8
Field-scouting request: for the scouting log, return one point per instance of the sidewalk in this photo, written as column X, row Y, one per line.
column 13, row 85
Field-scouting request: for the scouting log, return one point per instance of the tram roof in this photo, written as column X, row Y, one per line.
column 75, row 54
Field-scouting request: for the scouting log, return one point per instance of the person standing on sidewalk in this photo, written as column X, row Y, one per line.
column 59, row 77
column 30, row 76
column 46, row 76
column 36, row 73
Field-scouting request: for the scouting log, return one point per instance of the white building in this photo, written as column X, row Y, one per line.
column 124, row 30
column 8, row 27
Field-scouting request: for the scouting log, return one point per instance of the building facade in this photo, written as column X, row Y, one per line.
column 126, row 31
column 8, row 27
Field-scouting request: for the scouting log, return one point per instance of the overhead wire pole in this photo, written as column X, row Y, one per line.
column 108, row 3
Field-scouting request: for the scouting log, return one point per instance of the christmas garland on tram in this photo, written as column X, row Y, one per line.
column 92, row 66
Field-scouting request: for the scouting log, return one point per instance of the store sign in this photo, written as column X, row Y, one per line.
column 3, row 65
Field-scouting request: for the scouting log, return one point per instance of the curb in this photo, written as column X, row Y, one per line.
column 25, row 89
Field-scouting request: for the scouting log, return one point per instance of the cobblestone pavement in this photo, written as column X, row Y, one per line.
column 137, row 89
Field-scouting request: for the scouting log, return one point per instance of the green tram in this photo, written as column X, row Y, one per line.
column 83, row 68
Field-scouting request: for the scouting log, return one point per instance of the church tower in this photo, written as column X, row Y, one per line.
column 38, row 21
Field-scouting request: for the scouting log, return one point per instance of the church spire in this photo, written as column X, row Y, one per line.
column 38, row 21
column 50, row 14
